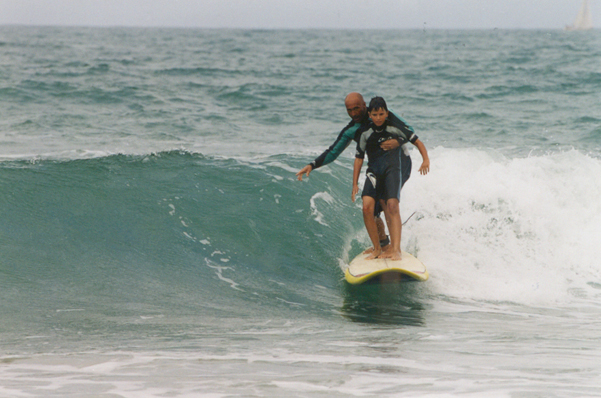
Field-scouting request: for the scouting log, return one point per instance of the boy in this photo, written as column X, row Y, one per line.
column 383, row 180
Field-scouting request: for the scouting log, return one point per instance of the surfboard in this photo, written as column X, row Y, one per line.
column 409, row 268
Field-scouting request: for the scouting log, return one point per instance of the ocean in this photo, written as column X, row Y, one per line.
column 155, row 242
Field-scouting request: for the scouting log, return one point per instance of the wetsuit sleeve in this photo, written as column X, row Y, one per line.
column 342, row 142
column 405, row 128
column 361, row 145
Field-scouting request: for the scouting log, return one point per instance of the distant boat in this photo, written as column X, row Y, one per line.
column 583, row 20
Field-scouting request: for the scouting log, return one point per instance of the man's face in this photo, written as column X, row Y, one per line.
column 356, row 110
column 378, row 116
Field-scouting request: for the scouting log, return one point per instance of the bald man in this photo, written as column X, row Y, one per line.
column 357, row 111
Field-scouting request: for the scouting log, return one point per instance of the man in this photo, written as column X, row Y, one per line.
column 357, row 111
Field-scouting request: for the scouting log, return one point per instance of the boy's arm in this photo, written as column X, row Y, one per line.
column 356, row 172
column 425, row 167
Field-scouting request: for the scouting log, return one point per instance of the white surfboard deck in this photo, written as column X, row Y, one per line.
column 361, row 270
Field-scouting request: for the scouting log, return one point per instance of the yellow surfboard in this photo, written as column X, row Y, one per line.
column 361, row 270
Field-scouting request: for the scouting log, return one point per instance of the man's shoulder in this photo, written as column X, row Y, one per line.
column 395, row 119
column 351, row 126
column 365, row 126
column 348, row 132
column 398, row 122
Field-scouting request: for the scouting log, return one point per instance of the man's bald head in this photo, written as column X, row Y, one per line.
column 355, row 107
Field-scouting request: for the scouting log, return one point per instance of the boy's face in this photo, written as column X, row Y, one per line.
column 378, row 116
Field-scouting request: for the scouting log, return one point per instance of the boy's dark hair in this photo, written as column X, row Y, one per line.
column 377, row 103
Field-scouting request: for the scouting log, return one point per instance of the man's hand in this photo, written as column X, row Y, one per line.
column 389, row 144
column 305, row 170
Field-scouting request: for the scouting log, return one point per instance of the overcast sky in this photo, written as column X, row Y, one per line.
column 395, row 14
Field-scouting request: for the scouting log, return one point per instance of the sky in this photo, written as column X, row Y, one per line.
column 299, row 14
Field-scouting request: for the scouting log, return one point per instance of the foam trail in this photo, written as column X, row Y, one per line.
column 326, row 197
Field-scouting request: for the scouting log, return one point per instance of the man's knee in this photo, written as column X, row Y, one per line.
column 393, row 206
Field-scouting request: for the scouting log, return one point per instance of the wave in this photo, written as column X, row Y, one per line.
column 172, row 230
column 188, row 232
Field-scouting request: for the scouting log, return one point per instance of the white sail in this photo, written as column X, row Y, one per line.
column 583, row 20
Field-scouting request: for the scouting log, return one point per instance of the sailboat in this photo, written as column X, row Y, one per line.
column 583, row 20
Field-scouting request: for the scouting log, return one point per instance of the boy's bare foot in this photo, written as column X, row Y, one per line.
column 386, row 253
column 371, row 249
column 396, row 257
column 391, row 255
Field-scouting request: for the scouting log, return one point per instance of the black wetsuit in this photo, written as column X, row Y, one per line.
column 384, row 179
column 352, row 132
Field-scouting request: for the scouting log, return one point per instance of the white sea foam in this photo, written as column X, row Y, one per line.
column 320, row 196
column 495, row 228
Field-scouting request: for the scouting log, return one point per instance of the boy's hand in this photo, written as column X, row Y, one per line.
column 424, row 168
column 355, row 191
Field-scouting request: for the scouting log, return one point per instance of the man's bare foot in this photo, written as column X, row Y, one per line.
column 371, row 249
column 374, row 254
